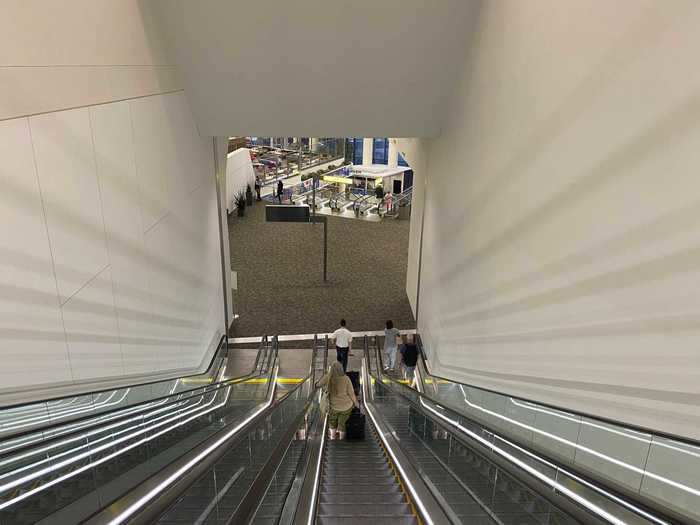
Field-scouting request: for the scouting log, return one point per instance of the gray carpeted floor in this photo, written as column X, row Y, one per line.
column 280, row 275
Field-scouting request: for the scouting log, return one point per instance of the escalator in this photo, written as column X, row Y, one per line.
column 255, row 450
column 358, row 485
column 423, row 463
column 77, row 454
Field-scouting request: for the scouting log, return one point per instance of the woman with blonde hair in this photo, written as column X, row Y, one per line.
column 341, row 399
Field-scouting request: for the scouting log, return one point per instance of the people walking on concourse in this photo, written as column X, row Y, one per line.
column 280, row 190
column 343, row 344
column 341, row 399
column 392, row 338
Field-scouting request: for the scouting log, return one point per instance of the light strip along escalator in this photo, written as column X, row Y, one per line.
column 223, row 479
column 289, row 475
column 68, row 471
column 484, row 477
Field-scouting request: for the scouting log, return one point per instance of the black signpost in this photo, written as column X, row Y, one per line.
column 300, row 213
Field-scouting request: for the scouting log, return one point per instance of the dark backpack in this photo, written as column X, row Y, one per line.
column 410, row 354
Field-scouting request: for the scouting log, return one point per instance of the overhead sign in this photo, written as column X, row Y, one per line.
column 285, row 213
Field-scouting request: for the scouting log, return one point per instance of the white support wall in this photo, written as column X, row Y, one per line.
column 415, row 154
column 560, row 249
column 109, row 239
column 239, row 175
column 367, row 151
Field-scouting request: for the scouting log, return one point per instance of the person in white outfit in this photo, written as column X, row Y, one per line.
column 343, row 344
column 392, row 337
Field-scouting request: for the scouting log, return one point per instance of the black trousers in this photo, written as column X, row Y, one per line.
column 342, row 355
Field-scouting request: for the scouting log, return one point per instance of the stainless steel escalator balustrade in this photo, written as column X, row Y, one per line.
column 431, row 419
column 80, row 465
column 249, row 478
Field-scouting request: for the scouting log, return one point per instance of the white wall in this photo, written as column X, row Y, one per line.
column 59, row 55
column 110, row 243
column 414, row 152
column 239, row 174
column 110, row 261
column 561, row 253
column 297, row 77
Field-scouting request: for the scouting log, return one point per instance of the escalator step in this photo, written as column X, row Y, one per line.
column 347, row 477
column 384, row 485
column 369, row 520
column 361, row 490
column 360, row 508
column 370, row 497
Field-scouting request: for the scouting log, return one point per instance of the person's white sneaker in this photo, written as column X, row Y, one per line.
column 331, row 434
column 341, row 435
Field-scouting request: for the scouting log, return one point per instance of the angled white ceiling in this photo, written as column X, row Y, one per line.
column 316, row 67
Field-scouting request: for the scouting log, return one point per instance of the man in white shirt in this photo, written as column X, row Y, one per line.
column 343, row 344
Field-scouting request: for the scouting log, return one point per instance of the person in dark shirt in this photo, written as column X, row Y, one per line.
column 280, row 190
column 409, row 356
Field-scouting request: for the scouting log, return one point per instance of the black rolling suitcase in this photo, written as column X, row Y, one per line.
column 355, row 380
column 355, row 427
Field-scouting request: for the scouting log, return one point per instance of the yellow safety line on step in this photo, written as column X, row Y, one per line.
column 281, row 380
column 397, row 477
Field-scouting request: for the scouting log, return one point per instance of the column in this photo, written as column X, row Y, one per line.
column 393, row 157
column 367, row 150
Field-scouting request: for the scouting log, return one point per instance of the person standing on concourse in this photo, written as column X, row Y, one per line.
column 280, row 190
column 343, row 344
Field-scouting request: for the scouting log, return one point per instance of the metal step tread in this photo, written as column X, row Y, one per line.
column 370, row 520
column 364, row 509
column 358, row 484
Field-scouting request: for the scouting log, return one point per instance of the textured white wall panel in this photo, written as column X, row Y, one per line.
column 121, row 202
column 88, row 52
column 65, row 161
column 561, row 243
column 32, row 340
column 155, row 156
column 140, row 282
column 92, row 330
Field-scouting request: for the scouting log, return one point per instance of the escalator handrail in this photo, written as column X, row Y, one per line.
column 256, row 493
column 304, row 508
column 627, row 426
column 263, row 346
column 155, row 495
column 100, row 416
column 430, row 509
column 221, row 346
column 397, row 388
